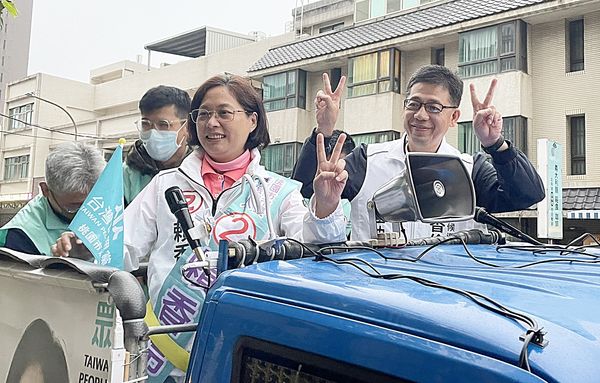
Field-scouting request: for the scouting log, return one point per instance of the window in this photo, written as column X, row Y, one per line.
column 577, row 138
column 16, row 167
column 368, row 9
column 374, row 73
column 280, row 158
column 438, row 56
column 335, row 75
column 20, row 116
column 333, row 27
column 575, row 46
column 514, row 129
column 495, row 49
column 373, row 138
column 285, row 90
column 259, row 361
column 467, row 140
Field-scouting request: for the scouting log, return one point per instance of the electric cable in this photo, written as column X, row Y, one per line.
column 533, row 332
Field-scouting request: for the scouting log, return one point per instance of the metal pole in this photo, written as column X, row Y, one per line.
column 32, row 94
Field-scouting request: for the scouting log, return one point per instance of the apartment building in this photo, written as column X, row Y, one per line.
column 14, row 45
column 43, row 110
column 543, row 52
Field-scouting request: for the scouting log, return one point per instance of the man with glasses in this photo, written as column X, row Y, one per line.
column 72, row 168
column 506, row 183
column 163, row 138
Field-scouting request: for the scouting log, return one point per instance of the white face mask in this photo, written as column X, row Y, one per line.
column 160, row 145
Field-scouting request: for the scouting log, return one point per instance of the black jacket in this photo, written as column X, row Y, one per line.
column 508, row 182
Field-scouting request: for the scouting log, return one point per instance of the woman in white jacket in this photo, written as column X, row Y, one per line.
column 228, row 127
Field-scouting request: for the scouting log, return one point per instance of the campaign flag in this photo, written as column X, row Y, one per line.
column 99, row 221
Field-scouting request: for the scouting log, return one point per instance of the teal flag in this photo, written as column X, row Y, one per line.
column 99, row 221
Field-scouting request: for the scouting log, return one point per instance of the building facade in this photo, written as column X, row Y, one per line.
column 14, row 44
column 543, row 52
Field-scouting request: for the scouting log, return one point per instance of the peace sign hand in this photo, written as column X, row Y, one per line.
column 330, row 179
column 487, row 122
column 327, row 105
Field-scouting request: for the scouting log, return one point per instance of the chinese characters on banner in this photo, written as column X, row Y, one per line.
column 550, row 218
column 99, row 221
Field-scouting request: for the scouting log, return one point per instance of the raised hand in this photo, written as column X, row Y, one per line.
column 487, row 122
column 330, row 179
column 327, row 105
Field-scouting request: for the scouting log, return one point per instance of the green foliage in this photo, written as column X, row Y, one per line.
column 10, row 9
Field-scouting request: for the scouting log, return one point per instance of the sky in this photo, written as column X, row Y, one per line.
column 71, row 37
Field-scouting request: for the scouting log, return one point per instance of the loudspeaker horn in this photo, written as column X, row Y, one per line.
column 433, row 188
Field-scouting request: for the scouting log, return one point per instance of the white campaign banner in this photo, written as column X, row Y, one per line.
column 56, row 324
column 550, row 217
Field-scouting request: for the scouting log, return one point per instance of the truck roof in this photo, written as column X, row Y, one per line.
column 562, row 297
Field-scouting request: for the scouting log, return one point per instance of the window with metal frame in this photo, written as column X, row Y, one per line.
column 438, row 56
column 333, row 27
column 514, row 129
column 280, row 158
column 285, row 90
column 577, row 138
column 575, row 46
column 467, row 140
column 376, row 72
column 20, row 116
column 16, row 167
column 495, row 49
column 376, row 137
column 368, row 9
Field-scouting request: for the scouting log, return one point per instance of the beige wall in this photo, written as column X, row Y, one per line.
column 558, row 94
column 186, row 75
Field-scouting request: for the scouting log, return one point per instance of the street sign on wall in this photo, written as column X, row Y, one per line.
column 550, row 219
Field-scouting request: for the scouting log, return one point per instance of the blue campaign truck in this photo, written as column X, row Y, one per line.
column 359, row 317
column 461, row 308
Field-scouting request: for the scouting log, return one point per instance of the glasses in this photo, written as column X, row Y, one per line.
column 223, row 115
column 145, row 124
column 68, row 211
column 430, row 107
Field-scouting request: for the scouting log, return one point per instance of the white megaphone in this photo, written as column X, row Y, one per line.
column 433, row 188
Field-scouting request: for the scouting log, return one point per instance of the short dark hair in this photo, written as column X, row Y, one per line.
column 161, row 96
column 438, row 75
column 349, row 144
column 244, row 93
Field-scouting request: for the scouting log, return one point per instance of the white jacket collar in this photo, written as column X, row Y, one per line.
column 398, row 150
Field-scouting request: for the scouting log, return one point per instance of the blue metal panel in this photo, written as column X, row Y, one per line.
column 331, row 305
column 372, row 347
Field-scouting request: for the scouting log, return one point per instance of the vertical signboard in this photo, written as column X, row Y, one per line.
column 550, row 219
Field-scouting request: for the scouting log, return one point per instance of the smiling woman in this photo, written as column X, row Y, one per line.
column 228, row 118
column 227, row 127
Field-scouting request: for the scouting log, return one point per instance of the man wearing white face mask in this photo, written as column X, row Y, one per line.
column 163, row 138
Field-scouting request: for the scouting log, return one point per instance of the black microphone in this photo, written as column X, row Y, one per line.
column 483, row 216
column 471, row 236
column 179, row 207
